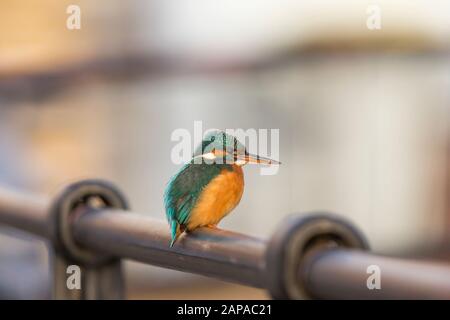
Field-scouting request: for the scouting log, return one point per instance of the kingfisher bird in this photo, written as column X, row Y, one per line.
column 210, row 186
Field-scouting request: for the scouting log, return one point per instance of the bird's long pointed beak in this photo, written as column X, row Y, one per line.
column 251, row 158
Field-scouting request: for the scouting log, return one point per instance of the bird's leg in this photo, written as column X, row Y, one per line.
column 212, row 226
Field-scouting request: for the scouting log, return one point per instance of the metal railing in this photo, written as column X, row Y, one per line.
column 315, row 256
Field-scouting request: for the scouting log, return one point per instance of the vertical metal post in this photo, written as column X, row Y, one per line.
column 103, row 282
column 100, row 275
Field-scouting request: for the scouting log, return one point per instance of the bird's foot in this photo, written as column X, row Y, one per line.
column 212, row 226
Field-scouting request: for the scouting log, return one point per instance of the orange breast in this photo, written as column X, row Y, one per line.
column 219, row 197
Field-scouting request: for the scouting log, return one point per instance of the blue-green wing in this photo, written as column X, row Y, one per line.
column 183, row 191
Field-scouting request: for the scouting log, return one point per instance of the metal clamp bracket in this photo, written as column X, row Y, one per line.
column 101, row 273
column 297, row 236
column 63, row 211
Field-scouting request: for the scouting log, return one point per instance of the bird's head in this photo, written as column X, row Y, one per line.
column 220, row 147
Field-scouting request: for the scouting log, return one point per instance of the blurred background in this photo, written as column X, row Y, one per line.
column 364, row 115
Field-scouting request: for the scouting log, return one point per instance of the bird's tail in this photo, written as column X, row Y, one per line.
column 175, row 231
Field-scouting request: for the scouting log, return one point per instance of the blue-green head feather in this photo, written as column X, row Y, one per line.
column 219, row 141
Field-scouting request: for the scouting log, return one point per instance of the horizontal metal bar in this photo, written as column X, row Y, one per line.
column 215, row 253
column 325, row 273
column 25, row 212
column 343, row 274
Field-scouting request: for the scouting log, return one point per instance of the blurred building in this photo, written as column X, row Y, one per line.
column 364, row 115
